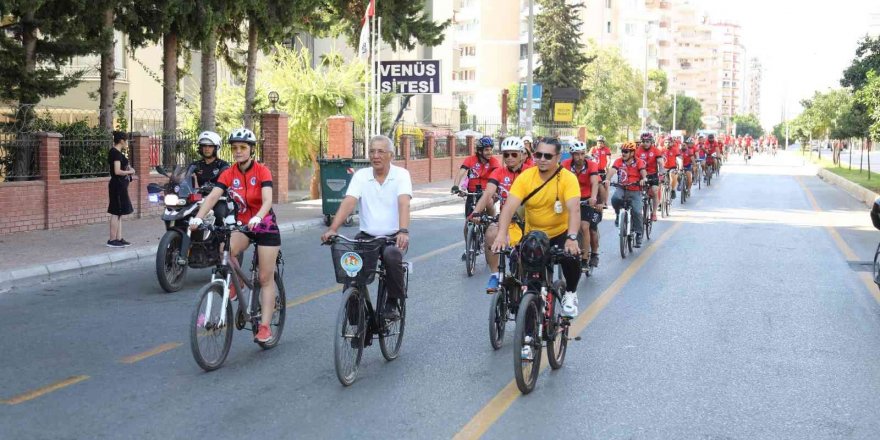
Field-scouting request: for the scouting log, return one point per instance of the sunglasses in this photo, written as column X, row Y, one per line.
column 513, row 155
column 546, row 156
column 626, row 151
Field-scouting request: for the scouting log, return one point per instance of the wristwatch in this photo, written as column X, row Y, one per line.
column 572, row 237
column 403, row 231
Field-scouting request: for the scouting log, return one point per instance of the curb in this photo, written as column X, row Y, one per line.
column 860, row 193
column 82, row 265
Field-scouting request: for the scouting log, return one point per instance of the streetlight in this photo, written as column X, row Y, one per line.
column 273, row 98
column 339, row 104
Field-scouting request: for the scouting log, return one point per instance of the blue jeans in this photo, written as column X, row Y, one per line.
column 636, row 198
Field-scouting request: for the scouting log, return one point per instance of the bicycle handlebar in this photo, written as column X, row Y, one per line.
column 338, row 237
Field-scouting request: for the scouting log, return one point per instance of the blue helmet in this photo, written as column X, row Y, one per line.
column 485, row 142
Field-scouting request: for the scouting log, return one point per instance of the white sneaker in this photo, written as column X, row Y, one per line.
column 569, row 305
column 527, row 354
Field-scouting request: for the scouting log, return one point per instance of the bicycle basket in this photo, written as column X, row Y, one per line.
column 355, row 263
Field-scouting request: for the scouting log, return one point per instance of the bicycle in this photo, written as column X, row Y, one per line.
column 539, row 323
column 358, row 321
column 212, row 320
column 684, row 188
column 710, row 171
column 666, row 190
column 698, row 173
column 474, row 239
column 647, row 212
column 586, row 269
column 624, row 221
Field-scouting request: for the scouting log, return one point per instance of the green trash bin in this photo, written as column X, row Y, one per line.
column 335, row 176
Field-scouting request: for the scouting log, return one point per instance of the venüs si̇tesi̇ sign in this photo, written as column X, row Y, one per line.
column 417, row 77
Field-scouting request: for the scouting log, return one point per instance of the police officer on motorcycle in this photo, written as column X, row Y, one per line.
column 208, row 169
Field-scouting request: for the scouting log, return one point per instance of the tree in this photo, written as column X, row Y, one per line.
column 613, row 94
column 779, row 131
column 688, row 113
column 748, row 124
column 658, row 84
column 867, row 59
column 404, row 22
column 558, row 44
column 869, row 96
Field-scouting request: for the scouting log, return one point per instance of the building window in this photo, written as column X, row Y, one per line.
column 630, row 29
column 523, row 51
column 608, row 27
column 468, row 51
column 608, row 4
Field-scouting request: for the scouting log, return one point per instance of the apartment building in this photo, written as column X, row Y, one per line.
column 754, row 87
column 731, row 72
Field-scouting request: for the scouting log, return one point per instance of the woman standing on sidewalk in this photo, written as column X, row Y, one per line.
column 120, row 176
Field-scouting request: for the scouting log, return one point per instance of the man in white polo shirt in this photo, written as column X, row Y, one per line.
column 382, row 193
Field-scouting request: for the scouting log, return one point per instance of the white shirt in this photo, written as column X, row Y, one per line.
column 379, row 213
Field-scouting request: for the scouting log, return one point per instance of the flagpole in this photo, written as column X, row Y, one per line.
column 378, row 75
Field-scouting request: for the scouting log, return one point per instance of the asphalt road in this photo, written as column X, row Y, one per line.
column 747, row 316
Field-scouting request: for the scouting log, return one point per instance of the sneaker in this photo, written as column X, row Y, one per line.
column 672, row 196
column 124, row 243
column 527, row 354
column 114, row 244
column 492, row 285
column 463, row 256
column 585, row 265
column 390, row 312
column 617, row 220
column 569, row 305
column 638, row 241
column 264, row 335
column 594, row 260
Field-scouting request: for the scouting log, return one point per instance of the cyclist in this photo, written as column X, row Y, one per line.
column 671, row 153
column 527, row 144
column 715, row 149
column 630, row 172
column 209, row 167
column 687, row 158
column 586, row 169
column 602, row 153
column 249, row 183
column 382, row 194
column 513, row 153
column 701, row 153
column 552, row 203
column 478, row 168
column 654, row 161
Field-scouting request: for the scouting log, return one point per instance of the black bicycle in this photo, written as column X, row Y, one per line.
column 539, row 322
column 211, row 329
column 625, row 229
column 357, row 262
column 647, row 211
column 666, row 199
column 474, row 238
column 683, row 188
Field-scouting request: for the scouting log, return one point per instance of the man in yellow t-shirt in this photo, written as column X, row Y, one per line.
column 554, row 210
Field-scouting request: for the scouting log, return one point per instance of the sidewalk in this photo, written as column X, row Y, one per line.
column 53, row 254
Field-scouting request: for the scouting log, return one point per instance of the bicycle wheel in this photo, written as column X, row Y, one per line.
column 877, row 266
column 498, row 317
column 528, row 322
column 649, row 212
column 391, row 337
column 557, row 331
column 348, row 339
column 667, row 194
column 209, row 339
column 623, row 221
column 470, row 250
column 279, row 315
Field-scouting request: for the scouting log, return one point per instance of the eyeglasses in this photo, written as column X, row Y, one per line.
column 513, row 155
column 546, row 156
column 377, row 152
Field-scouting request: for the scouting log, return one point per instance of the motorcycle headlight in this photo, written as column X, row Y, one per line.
column 171, row 200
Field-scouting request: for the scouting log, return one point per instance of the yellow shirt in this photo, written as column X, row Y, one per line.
column 540, row 212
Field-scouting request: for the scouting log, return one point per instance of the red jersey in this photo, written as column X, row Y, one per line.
column 687, row 154
column 601, row 154
column 628, row 174
column 502, row 178
column 246, row 188
column 670, row 154
column 583, row 174
column 478, row 171
column 650, row 157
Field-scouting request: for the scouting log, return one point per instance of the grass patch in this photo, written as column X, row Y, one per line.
column 862, row 178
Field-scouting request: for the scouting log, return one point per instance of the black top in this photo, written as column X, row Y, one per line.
column 116, row 155
column 209, row 172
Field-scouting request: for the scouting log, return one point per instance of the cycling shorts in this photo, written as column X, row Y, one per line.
column 470, row 203
column 603, row 176
column 688, row 167
column 591, row 215
column 266, row 233
column 653, row 179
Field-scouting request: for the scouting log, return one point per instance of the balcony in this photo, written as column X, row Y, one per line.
column 93, row 72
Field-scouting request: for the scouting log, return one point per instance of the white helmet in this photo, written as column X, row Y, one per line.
column 600, row 138
column 209, row 138
column 527, row 138
column 242, row 135
column 512, row 143
column 578, row 147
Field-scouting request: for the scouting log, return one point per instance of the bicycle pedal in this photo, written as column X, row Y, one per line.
column 576, row 338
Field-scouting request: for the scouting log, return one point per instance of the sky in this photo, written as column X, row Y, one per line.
column 803, row 45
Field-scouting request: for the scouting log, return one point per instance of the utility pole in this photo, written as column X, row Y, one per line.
column 530, row 80
column 644, row 114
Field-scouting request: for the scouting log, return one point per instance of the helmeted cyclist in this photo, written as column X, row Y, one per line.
column 687, row 161
column 478, row 168
column 249, row 184
column 586, row 169
column 630, row 172
column 671, row 154
column 210, row 166
column 602, row 152
column 527, row 143
column 552, row 210
column 655, row 163
column 513, row 154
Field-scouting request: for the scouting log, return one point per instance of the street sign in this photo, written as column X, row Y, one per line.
column 416, row 77
column 567, row 94
column 643, row 113
column 537, row 93
column 563, row 111
column 710, row 120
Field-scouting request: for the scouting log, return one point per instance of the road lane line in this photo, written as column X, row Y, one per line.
column 141, row 356
column 847, row 251
column 337, row 288
column 31, row 395
column 489, row 414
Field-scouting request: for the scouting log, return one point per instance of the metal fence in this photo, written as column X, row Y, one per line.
column 461, row 147
column 82, row 158
column 19, row 156
column 441, row 147
column 180, row 148
column 359, row 143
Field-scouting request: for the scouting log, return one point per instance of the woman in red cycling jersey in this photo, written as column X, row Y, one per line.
column 249, row 184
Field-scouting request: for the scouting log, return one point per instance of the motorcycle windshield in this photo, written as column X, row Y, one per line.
column 182, row 178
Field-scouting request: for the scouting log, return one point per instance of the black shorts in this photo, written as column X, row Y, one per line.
column 591, row 215
column 266, row 233
column 603, row 176
column 469, row 203
column 653, row 179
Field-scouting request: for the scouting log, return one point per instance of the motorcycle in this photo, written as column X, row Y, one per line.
column 179, row 249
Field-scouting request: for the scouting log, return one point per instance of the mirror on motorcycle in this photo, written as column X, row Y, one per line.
column 161, row 170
